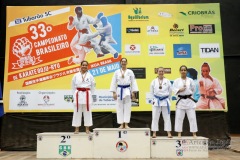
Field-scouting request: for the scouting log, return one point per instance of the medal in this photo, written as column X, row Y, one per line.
column 160, row 83
column 160, row 87
column 122, row 76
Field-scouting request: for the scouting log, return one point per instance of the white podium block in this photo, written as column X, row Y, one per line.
column 121, row 143
column 64, row 145
column 185, row 147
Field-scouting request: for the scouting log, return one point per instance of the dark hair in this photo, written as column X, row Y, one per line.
column 193, row 72
column 123, row 59
column 182, row 66
column 83, row 62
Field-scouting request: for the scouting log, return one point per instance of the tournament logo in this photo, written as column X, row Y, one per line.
column 22, row 102
column 121, row 146
column 152, row 30
column 209, row 50
column 68, row 98
column 179, row 152
column 22, row 48
column 182, row 50
column 137, row 16
column 201, row 28
column 65, row 150
column 176, row 31
column 133, row 30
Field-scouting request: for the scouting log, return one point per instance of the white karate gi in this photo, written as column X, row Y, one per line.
column 162, row 105
column 185, row 105
column 79, row 24
column 123, row 106
column 77, row 82
column 205, row 102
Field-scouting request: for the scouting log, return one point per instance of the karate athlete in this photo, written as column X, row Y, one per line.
column 83, row 86
column 80, row 22
column 106, row 37
column 209, row 88
column 124, row 87
column 183, row 88
column 161, row 91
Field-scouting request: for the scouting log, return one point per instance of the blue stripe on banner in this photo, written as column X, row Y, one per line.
column 105, row 69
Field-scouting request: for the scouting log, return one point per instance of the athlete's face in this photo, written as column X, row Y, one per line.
column 205, row 71
column 78, row 11
column 160, row 72
column 124, row 63
column 84, row 67
column 183, row 71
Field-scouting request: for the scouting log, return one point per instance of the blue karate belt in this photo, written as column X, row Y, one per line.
column 162, row 98
column 122, row 86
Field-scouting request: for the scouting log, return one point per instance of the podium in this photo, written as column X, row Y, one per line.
column 64, row 145
column 184, row 147
column 118, row 143
column 121, row 143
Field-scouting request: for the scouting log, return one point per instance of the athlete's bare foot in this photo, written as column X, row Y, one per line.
column 154, row 134
column 121, row 127
column 76, row 130
column 179, row 135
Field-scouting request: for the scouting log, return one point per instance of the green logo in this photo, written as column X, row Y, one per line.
column 183, row 13
column 137, row 15
column 64, row 150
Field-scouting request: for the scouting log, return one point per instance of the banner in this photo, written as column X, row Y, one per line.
column 45, row 44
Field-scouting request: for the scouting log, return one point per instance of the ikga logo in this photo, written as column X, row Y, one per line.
column 137, row 15
column 152, row 30
column 156, row 49
column 209, row 50
column 182, row 50
column 121, row 146
column 132, row 49
column 175, row 31
column 22, row 102
column 65, row 150
column 201, row 29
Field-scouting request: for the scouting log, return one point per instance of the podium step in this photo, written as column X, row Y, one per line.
column 64, row 145
column 184, row 147
column 121, row 143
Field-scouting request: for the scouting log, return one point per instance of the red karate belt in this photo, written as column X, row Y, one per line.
column 87, row 96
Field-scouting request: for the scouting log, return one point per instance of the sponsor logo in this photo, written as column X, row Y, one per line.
column 32, row 18
column 152, row 30
column 165, row 14
column 166, row 70
column 209, row 50
column 198, row 13
column 179, row 152
column 132, row 49
column 156, row 49
column 175, row 31
column 133, row 30
column 182, row 50
column 201, row 28
column 121, row 146
column 65, row 150
column 137, row 16
column 68, row 98
column 46, row 100
column 22, row 102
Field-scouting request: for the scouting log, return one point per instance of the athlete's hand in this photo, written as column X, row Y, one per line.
column 114, row 96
